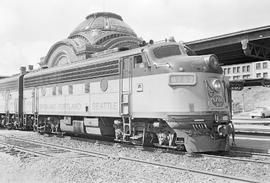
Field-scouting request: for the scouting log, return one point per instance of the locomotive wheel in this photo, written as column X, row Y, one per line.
column 148, row 138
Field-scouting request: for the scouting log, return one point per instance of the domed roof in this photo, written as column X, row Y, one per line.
column 98, row 32
column 104, row 21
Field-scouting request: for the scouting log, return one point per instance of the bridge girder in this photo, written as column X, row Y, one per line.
column 238, row 47
column 255, row 50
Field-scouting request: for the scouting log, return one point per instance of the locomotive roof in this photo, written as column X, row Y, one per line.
column 9, row 79
column 99, row 58
column 10, row 83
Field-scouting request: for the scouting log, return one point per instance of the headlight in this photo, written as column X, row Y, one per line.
column 217, row 85
column 182, row 79
column 213, row 63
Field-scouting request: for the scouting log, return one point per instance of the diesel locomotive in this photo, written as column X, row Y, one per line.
column 157, row 94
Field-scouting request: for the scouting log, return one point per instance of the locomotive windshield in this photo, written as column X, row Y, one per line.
column 189, row 51
column 167, row 51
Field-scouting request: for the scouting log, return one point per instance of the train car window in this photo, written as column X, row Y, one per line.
column 70, row 89
column 86, row 87
column 138, row 62
column 43, row 91
column 166, row 51
column 125, row 63
column 60, row 91
column 54, row 91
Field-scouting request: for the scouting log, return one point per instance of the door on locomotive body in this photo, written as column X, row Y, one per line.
column 33, row 100
column 35, row 97
column 125, row 84
column 7, row 94
column 2, row 102
column 16, row 105
column 13, row 97
column 140, row 73
column 6, row 105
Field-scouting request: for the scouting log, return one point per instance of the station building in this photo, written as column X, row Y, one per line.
column 252, row 70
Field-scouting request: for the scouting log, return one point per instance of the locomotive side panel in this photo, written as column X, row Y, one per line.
column 13, row 102
column 163, row 99
column 63, row 100
column 28, row 104
column 76, row 100
column 48, row 101
column 9, row 88
column 104, row 98
column 3, row 102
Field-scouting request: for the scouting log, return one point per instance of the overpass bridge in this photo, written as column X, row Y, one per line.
column 238, row 47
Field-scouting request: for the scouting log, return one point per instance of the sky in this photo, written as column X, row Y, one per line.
column 28, row 28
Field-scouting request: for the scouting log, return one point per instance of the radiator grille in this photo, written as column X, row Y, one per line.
column 74, row 74
column 10, row 85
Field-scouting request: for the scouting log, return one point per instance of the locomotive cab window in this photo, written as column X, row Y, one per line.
column 166, row 51
column 189, row 51
column 138, row 61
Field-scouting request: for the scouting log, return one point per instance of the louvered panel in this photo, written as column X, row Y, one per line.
column 91, row 68
column 65, row 74
column 75, row 74
column 71, row 78
column 10, row 85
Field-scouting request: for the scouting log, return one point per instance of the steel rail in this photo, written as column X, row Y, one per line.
column 63, row 148
column 251, row 153
column 99, row 154
column 235, row 159
column 203, row 154
column 25, row 150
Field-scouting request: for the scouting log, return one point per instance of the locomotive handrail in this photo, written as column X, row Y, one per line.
column 162, row 65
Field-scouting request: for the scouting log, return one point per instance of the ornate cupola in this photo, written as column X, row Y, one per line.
column 98, row 32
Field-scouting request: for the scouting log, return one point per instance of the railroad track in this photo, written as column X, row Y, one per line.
column 24, row 150
column 18, row 144
column 250, row 153
column 42, row 149
column 235, row 159
column 228, row 156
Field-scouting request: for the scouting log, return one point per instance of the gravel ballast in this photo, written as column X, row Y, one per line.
column 113, row 169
